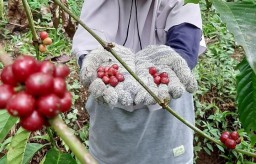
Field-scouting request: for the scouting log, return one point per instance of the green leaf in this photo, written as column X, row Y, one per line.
column 249, row 162
column 220, row 148
column 246, row 96
column 5, row 143
column 18, row 146
column 240, row 20
column 30, row 151
column 3, row 160
column 191, row 1
column 6, row 123
column 53, row 156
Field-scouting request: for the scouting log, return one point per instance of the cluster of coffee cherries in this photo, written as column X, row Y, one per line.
column 159, row 78
column 34, row 91
column 45, row 41
column 110, row 75
column 230, row 140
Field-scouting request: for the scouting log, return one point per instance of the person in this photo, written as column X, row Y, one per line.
column 126, row 126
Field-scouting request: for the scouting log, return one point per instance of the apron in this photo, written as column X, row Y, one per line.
column 117, row 136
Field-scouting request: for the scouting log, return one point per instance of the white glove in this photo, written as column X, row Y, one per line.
column 165, row 59
column 124, row 92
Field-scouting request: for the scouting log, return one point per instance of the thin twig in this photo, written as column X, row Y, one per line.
column 1, row 9
column 32, row 26
column 71, row 140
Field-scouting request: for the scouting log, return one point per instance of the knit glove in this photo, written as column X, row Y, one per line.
column 112, row 93
column 167, row 62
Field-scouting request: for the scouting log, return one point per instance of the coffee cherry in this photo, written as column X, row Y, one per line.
column 106, row 69
column 66, row 102
column 42, row 48
column 32, row 122
column 164, row 80
column 113, row 81
column 6, row 92
column 224, row 137
column 157, row 80
column 120, row 77
column 47, row 41
column 238, row 141
column 234, row 135
column 105, row 79
column 23, row 67
column 112, row 71
column 21, row 104
column 43, row 35
column 115, row 66
column 62, row 71
column 152, row 70
column 163, row 74
column 7, row 76
column 49, row 105
column 155, row 75
column 59, row 86
column 100, row 74
column 230, row 143
column 39, row 84
column 46, row 67
column 226, row 132
column 100, row 69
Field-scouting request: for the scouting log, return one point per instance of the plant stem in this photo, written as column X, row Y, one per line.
column 32, row 26
column 71, row 140
column 1, row 9
column 160, row 102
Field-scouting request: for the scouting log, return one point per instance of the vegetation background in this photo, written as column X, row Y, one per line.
column 215, row 101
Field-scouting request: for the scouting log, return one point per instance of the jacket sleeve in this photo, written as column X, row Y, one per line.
column 185, row 39
column 183, row 27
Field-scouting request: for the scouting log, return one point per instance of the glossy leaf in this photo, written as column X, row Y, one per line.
column 54, row 156
column 3, row 160
column 6, row 123
column 17, row 148
column 246, row 96
column 30, row 151
column 240, row 18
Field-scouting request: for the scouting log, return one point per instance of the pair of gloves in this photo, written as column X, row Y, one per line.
column 130, row 92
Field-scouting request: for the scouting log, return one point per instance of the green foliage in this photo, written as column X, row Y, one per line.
column 30, row 151
column 54, row 156
column 191, row 1
column 6, row 123
column 16, row 153
column 215, row 100
column 3, row 160
column 240, row 19
column 37, row 5
column 246, row 96
column 75, row 6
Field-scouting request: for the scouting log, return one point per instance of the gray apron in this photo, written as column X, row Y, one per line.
column 117, row 136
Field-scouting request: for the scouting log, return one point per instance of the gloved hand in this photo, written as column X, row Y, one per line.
column 164, row 59
column 124, row 92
